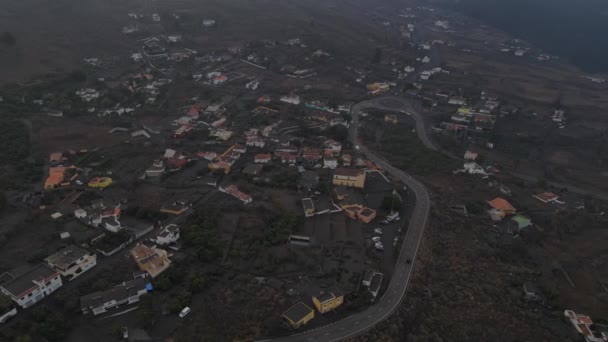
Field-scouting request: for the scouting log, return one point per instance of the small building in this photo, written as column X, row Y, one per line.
column 349, row 177
column 72, row 261
column 262, row 158
column 151, row 259
column 376, row 283
column 521, row 222
column 31, row 286
column 333, row 146
column 175, row 208
column 330, row 163
column 167, row 235
column 531, row 292
column 122, row 294
column 157, row 169
column 584, row 326
column 503, row 206
column 309, row 207
column 100, row 182
column 367, row 278
column 546, row 197
column 235, row 192
column 359, row 212
column 468, row 155
column 291, row 99
column 240, row 149
column 299, row 315
column 253, row 169
column 391, row 118
column 327, row 301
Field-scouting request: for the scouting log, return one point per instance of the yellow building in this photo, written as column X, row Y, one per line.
column 327, row 301
column 151, row 259
column 299, row 315
column 100, row 182
column 349, row 177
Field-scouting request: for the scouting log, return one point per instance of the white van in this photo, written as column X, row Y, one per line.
column 185, row 311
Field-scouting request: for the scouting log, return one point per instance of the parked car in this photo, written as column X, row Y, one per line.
column 185, row 311
column 376, row 239
column 378, row 231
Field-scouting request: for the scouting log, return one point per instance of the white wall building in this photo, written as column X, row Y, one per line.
column 32, row 286
column 122, row 294
column 168, row 235
column 72, row 261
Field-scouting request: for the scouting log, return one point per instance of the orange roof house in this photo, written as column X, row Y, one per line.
column 503, row 206
column 150, row 259
column 56, row 177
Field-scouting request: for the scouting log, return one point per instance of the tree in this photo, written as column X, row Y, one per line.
column 338, row 132
column 2, row 200
column 391, row 202
column 78, row 76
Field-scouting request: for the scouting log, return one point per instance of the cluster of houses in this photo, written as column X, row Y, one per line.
column 29, row 287
column 300, row 314
column 475, row 121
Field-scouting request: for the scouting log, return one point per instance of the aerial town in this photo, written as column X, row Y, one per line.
column 197, row 188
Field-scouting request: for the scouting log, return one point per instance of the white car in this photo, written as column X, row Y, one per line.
column 185, row 311
column 376, row 239
column 378, row 231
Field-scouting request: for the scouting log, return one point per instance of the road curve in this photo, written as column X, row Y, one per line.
column 395, row 293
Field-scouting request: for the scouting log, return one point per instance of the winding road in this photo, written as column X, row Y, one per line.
column 395, row 293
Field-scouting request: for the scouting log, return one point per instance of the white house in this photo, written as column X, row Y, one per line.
column 122, row 294
column 255, row 141
column 457, row 100
column 333, row 145
column 168, row 235
column 293, row 99
column 72, row 261
column 330, row 163
column 80, row 213
column 157, row 168
column 30, row 287
column 468, row 155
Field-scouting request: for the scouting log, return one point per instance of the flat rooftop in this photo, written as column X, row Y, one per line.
column 67, row 256
column 297, row 312
column 22, row 283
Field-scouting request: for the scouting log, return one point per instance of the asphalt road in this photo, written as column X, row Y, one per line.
column 395, row 293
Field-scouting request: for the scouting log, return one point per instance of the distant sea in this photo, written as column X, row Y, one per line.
column 576, row 30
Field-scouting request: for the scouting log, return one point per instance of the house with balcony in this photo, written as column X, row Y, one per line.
column 168, row 235
column 121, row 294
column 349, row 177
column 151, row 259
column 72, row 261
column 32, row 286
